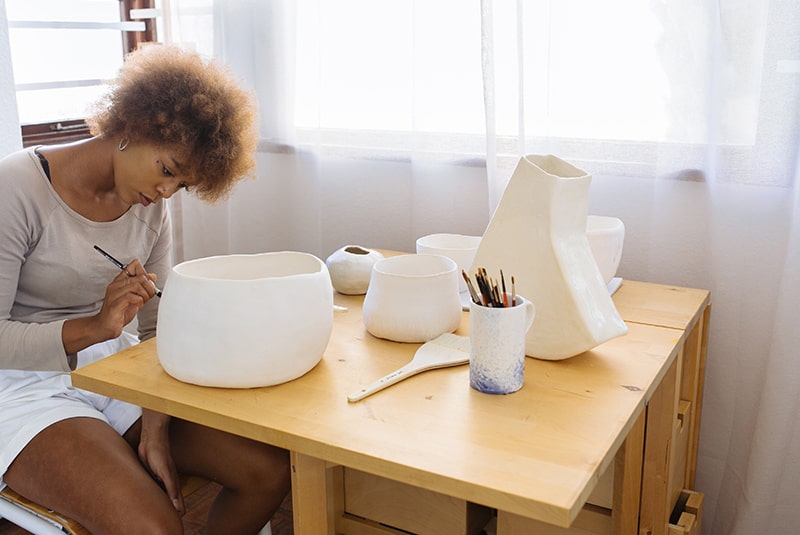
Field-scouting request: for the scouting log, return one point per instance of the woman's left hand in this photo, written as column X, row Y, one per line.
column 154, row 453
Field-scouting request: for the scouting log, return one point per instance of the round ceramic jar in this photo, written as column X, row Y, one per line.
column 412, row 298
column 245, row 321
column 458, row 247
column 606, row 236
column 350, row 268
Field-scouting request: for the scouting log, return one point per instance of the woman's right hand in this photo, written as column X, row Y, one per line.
column 125, row 295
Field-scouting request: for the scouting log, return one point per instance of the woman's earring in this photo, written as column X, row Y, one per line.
column 123, row 143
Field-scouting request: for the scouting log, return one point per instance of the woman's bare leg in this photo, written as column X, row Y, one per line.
column 82, row 468
column 255, row 476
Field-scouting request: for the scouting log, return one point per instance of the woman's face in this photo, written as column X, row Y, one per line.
column 145, row 173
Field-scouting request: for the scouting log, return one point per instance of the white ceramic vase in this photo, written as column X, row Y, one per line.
column 351, row 267
column 412, row 298
column 242, row 321
column 537, row 234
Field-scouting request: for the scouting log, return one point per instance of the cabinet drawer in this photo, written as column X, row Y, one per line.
column 679, row 451
column 591, row 520
column 687, row 517
column 411, row 509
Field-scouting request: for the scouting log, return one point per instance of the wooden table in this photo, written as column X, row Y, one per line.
column 536, row 454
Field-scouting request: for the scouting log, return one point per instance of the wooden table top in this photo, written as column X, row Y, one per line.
column 538, row 452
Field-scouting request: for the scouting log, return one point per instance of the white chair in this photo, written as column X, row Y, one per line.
column 40, row 520
column 35, row 518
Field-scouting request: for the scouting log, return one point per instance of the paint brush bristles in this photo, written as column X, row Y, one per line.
column 472, row 293
column 491, row 292
column 513, row 292
column 503, row 282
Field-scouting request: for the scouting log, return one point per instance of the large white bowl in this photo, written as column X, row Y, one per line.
column 245, row 321
column 606, row 236
column 412, row 298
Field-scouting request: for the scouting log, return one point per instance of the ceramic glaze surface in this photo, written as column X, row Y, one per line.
column 244, row 321
column 458, row 247
column 351, row 267
column 538, row 235
column 412, row 298
column 606, row 236
column 497, row 346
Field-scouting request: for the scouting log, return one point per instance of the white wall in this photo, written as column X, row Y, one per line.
column 10, row 139
column 298, row 202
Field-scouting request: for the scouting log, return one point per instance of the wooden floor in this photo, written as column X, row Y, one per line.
column 197, row 505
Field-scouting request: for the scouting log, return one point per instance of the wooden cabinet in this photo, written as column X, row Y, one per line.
column 673, row 424
column 666, row 504
column 646, row 491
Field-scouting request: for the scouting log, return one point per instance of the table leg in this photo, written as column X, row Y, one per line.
column 661, row 413
column 309, row 496
column 628, row 480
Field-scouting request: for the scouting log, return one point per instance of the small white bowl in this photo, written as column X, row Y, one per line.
column 412, row 298
column 458, row 247
column 243, row 321
column 606, row 236
column 351, row 267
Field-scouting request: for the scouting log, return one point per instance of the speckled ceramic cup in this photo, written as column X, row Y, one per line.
column 497, row 346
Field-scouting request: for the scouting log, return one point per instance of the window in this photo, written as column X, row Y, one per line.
column 62, row 53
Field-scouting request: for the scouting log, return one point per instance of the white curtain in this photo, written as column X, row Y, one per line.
column 330, row 87
column 386, row 120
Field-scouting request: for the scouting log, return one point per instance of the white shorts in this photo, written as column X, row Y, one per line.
column 32, row 401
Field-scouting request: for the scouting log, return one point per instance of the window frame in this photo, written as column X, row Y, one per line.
column 53, row 132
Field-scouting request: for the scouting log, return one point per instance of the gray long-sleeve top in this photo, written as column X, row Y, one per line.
column 49, row 270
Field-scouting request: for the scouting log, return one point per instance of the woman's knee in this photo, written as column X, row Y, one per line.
column 238, row 463
column 279, row 467
column 267, row 471
column 154, row 522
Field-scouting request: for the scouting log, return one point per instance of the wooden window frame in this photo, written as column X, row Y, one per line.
column 74, row 130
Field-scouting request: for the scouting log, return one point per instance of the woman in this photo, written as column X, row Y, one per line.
column 170, row 121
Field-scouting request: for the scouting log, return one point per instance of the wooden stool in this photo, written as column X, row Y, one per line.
column 43, row 521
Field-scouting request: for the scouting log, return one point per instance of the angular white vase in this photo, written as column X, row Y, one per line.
column 537, row 234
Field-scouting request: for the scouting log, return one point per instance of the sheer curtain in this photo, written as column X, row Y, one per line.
column 349, row 147
column 687, row 114
column 384, row 121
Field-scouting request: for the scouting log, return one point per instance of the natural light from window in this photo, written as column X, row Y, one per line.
column 47, row 61
column 572, row 69
column 417, row 65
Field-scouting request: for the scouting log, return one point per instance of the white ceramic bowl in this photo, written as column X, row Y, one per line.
column 244, row 321
column 458, row 247
column 412, row 298
column 606, row 236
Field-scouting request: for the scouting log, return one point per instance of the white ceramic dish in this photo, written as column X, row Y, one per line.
column 458, row 247
column 412, row 298
column 606, row 236
column 243, row 321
